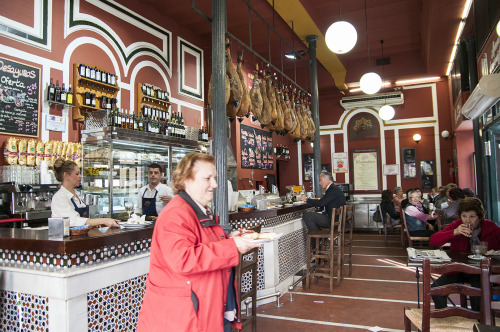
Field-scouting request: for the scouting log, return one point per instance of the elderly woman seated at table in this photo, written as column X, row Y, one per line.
column 417, row 218
column 470, row 229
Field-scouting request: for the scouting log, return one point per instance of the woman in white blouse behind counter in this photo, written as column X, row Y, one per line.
column 67, row 203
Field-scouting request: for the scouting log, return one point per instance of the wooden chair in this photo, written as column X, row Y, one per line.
column 325, row 259
column 347, row 237
column 387, row 220
column 421, row 239
column 450, row 318
column 248, row 262
column 492, row 287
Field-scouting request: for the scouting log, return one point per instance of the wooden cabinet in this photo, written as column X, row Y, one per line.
column 82, row 84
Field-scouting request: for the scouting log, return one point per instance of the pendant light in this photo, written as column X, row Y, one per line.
column 370, row 82
column 341, row 36
column 386, row 112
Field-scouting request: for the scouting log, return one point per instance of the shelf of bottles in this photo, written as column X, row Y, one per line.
column 94, row 89
column 58, row 95
column 282, row 152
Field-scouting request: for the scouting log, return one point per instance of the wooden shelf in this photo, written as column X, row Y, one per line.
column 143, row 99
column 53, row 102
column 79, row 91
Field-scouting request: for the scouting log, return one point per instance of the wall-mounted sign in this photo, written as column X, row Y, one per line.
column 19, row 98
column 426, row 174
column 55, row 123
column 340, row 162
column 256, row 148
column 392, row 169
column 365, row 170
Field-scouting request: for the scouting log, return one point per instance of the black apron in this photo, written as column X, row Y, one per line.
column 149, row 205
column 82, row 211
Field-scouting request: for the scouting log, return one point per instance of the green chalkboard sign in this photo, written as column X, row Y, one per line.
column 19, row 98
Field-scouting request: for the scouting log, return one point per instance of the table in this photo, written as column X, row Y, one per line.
column 456, row 256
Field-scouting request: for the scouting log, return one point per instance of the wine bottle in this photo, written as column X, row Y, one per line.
column 51, row 90
column 92, row 73
column 63, row 94
column 92, row 99
column 82, row 70
column 87, row 71
column 57, row 92
column 69, row 96
column 98, row 75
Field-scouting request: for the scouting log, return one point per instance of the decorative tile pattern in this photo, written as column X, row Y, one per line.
column 268, row 221
column 78, row 259
column 291, row 253
column 116, row 308
column 23, row 312
column 246, row 278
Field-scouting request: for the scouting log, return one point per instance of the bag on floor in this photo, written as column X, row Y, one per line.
column 377, row 215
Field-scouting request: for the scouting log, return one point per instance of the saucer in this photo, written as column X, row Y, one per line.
column 476, row 258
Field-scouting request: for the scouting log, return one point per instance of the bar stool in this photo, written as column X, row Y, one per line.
column 325, row 259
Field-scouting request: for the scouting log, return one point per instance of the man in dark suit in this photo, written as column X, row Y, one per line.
column 333, row 198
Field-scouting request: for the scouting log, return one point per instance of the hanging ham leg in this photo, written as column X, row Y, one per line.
column 255, row 96
column 246, row 102
column 236, row 93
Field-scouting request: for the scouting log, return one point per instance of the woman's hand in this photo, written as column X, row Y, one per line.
column 462, row 229
column 430, row 227
column 243, row 245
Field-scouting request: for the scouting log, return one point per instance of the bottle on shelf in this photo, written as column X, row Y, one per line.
column 51, row 90
column 69, row 96
column 98, row 75
column 92, row 99
column 63, row 94
column 57, row 92
column 92, row 73
column 81, row 70
column 140, row 122
column 87, row 71
column 87, row 99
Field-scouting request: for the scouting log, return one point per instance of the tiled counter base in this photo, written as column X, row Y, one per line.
column 281, row 259
column 54, row 291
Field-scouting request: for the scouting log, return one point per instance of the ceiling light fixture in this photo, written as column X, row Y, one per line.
column 370, row 82
column 357, row 88
column 386, row 112
column 417, row 138
column 418, row 80
column 461, row 26
column 295, row 55
column 341, row 36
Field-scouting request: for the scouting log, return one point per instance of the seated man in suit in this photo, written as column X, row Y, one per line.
column 333, row 198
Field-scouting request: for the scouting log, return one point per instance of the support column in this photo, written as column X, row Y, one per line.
column 315, row 112
column 219, row 109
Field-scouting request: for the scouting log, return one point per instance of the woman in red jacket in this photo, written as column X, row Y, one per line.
column 190, row 286
column 470, row 229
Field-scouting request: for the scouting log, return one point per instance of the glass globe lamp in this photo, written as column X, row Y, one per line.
column 370, row 83
column 386, row 112
column 341, row 37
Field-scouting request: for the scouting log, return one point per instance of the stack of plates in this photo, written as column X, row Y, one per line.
column 134, row 226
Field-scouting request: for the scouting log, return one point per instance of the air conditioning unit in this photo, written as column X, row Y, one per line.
column 377, row 100
column 485, row 95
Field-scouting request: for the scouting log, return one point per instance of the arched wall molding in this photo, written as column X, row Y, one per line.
column 76, row 21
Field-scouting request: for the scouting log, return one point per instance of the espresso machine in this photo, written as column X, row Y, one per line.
column 30, row 202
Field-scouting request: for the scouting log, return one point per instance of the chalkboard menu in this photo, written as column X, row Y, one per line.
column 19, row 98
column 256, row 148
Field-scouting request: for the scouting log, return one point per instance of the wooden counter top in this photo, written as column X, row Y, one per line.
column 267, row 213
column 38, row 240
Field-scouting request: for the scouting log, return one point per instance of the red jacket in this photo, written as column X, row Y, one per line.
column 490, row 233
column 190, row 264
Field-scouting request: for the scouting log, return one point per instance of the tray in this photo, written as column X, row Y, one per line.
column 135, row 226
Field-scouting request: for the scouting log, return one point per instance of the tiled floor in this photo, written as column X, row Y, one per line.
column 372, row 299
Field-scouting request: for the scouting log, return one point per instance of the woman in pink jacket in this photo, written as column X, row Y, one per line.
column 190, row 286
column 470, row 229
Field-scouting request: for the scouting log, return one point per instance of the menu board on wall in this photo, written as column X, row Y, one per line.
column 256, row 148
column 365, row 170
column 19, row 98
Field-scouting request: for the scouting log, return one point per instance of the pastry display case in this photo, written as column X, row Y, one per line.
column 115, row 164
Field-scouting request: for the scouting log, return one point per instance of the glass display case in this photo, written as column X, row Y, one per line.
column 115, row 165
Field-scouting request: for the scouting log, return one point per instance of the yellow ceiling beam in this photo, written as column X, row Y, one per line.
column 303, row 26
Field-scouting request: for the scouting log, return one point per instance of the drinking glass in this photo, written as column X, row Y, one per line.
column 129, row 207
column 469, row 226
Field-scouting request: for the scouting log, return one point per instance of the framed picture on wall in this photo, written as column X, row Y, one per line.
column 426, row 174
column 409, row 157
column 365, row 170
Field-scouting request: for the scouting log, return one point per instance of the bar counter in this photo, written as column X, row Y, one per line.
column 96, row 282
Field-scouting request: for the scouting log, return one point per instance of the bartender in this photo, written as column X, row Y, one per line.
column 153, row 197
column 66, row 203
